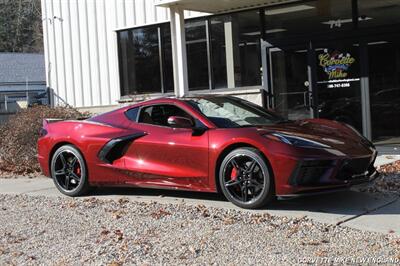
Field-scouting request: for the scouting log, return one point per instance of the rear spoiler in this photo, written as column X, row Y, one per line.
column 47, row 121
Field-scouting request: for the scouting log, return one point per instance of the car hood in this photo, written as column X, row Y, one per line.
column 331, row 133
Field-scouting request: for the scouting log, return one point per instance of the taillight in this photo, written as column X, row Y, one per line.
column 42, row 132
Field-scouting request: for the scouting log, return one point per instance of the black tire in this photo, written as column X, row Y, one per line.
column 69, row 171
column 257, row 179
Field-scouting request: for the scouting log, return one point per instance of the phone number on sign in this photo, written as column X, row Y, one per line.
column 349, row 260
column 339, row 85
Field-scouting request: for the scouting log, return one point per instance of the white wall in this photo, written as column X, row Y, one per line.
column 80, row 46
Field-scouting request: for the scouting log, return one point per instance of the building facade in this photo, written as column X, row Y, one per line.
column 22, row 82
column 323, row 58
column 81, row 48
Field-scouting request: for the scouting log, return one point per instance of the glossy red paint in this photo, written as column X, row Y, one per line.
column 175, row 158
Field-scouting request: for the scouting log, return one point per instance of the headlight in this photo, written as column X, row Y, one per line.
column 296, row 141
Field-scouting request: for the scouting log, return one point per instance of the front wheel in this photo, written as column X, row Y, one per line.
column 245, row 179
column 68, row 170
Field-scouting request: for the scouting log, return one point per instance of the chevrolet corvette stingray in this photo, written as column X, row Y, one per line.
column 208, row 143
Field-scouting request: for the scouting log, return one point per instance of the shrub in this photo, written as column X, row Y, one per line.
column 18, row 137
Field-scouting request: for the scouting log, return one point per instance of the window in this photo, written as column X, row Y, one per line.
column 235, row 42
column 132, row 113
column 167, row 65
column 219, row 51
column 139, row 61
column 384, row 89
column 143, row 69
column 197, row 59
column 159, row 114
column 227, row 112
column 224, row 48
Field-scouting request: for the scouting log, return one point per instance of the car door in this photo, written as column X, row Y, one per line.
column 167, row 156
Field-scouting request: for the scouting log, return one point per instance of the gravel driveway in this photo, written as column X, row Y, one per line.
column 62, row 231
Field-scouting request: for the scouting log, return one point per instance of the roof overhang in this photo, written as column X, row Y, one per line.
column 218, row 6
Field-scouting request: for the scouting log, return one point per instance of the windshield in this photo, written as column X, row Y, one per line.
column 228, row 112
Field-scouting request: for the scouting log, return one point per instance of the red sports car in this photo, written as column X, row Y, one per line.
column 205, row 143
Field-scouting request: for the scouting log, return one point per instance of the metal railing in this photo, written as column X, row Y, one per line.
column 10, row 102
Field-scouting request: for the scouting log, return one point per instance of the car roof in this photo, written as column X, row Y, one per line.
column 172, row 99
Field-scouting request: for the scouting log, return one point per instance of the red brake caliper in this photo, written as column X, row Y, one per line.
column 234, row 174
column 78, row 170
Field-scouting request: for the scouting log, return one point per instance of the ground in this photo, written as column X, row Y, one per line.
column 62, row 231
column 145, row 227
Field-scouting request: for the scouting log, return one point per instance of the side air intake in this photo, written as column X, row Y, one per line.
column 117, row 147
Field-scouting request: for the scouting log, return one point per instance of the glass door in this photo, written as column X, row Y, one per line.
column 338, row 83
column 289, row 82
column 384, row 89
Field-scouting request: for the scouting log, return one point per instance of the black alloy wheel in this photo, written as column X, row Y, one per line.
column 245, row 178
column 68, row 170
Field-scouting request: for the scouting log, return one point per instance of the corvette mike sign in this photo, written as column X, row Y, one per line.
column 336, row 64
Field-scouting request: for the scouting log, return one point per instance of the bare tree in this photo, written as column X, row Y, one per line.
column 20, row 26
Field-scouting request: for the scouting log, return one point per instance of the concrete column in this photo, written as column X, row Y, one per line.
column 230, row 64
column 179, row 58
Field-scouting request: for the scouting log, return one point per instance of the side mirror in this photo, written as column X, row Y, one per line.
column 180, row 122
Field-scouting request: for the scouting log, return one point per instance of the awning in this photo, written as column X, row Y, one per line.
column 218, row 6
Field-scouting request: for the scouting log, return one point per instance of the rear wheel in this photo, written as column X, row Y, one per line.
column 245, row 179
column 68, row 170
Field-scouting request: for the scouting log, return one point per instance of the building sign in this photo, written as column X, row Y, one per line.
column 336, row 64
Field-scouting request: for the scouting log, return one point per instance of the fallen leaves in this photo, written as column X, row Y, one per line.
column 321, row 253
column 228, row 220
column 118, row 235
column 181, row 233
column 14, row 239
column 91, row 202
column 159, row 214
column 311, row 243
column 203, row 210
column 104, row 232
column 123, row 201
column 391, row 168
column 388, row 181
column 18, row 137
column 116, row 214
column 115, row 263
column 194, row 251
column 2, row 250
column 72, row 204
column 259, row 218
